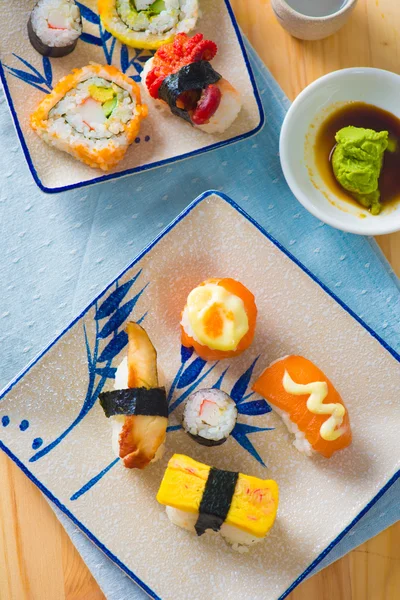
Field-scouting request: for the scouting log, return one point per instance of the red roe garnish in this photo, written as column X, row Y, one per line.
column 171, row 57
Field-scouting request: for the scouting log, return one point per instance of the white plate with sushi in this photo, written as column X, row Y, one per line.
column 104, row 88
column 157, row 420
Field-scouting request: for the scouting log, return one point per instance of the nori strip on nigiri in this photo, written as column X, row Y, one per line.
column 216, row 500
column 192, row 77
column 135, row 401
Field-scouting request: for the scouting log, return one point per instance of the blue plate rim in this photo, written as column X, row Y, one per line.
column 145, row 251
column 154, row 165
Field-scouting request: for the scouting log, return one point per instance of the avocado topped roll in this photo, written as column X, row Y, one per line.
column 94, row 114
column 148, row 23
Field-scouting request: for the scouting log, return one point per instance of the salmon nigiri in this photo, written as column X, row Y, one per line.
column 308, row 403
column 219, row 319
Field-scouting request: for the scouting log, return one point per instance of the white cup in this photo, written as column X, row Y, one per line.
column 306, row 27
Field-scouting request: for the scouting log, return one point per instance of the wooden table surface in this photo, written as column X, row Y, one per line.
column 37, row 559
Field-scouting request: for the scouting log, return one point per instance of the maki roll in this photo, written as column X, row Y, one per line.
column 219, row 319
column 181, row 77
column 148, row 23
column 94, row 114
column 54, row 27
column 308, row 403
column 209, row 417
column 137, row 406
column 200, row 498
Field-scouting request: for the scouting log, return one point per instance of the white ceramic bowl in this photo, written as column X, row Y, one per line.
column 299, row 130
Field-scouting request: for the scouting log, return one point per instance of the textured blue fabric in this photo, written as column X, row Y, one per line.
column 59, row 251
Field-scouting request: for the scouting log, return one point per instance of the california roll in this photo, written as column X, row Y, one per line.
column 94, row 114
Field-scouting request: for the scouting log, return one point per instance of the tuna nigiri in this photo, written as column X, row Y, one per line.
column 219, row 319
column 308, row 403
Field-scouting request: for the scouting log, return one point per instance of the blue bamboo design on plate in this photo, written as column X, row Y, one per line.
column 128, row 60
column 109, row 317
column 192, row 371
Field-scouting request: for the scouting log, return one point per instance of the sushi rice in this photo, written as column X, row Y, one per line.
column 57, row 23
column 117, row 422
column 240, row 540
column 74, row 121
column 148, row 24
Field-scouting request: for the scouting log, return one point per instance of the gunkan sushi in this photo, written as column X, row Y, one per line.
column 308, row 403
column 148, row 23
column 94, row 114
column 180, row 76
column 219, row 319
column 200, row 498
column 54, row 27
column 209, row 416
column 137, row 406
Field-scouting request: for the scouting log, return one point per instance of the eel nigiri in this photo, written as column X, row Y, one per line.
column 219, row 319
column 308, row 403
column 137, row 406
column 200, row 498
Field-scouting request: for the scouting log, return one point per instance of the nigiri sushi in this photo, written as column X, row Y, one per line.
column 201, row 498
column 308, row 403
column 209, row 416
column 180, row 77
column 219, row 319
column 137, row 407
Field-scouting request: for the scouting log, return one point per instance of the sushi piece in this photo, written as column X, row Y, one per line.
column 219, row 319
column 308, row 403
column 200, row 498
column 180, row 77
column 137, row 407
column 94, row 114
column 209, row 416
column 148, row 23
column 54, row 27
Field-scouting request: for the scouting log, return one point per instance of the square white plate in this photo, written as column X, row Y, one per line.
column 53, row 428
column 163, row 138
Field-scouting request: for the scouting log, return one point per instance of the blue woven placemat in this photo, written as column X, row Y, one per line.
column 59, row 251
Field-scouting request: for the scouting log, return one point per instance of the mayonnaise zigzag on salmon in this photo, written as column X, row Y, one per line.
column 308, row 403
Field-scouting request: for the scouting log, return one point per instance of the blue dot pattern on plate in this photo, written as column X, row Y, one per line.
column 37, row 442
column 5, row 421
column 24, row 425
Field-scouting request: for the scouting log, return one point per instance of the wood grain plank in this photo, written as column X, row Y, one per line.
column 37, row 559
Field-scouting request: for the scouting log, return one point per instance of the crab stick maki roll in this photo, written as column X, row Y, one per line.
column 54, row 27
column 209, row 416
column 200, row 498
column 94, row 114
column 219, row 319
column 137, row 406
column 148, row 23
column 180, row 76
column 308, row 403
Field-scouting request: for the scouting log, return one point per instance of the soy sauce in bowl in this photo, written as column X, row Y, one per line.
column 359, row 114
column 317, row 8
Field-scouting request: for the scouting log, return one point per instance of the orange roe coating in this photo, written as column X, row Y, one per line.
column 171, row 57
column 238, row 289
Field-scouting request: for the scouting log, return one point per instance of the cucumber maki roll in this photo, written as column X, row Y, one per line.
column 94, row 114
column 54, row 27
column 209, row 417
column 148, row 23
column 180, row 77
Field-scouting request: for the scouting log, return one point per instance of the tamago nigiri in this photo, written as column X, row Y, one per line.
column 308, row 403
